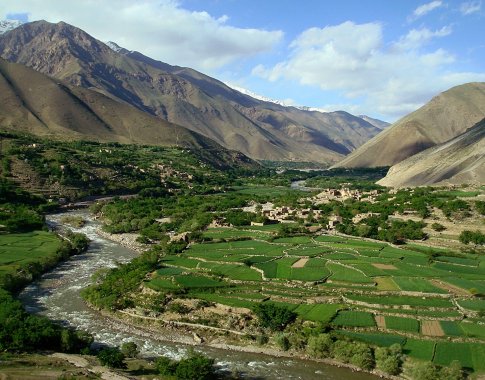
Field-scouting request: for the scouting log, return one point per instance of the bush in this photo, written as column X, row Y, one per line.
column 282, row 342
column 319, row 346
column 389, row 359
column 475, row 237
column 273, row 316
column 130, row 349
column 438, row 227
column 111, row 357
column 194, row 367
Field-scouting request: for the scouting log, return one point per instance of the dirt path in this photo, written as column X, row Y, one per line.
column 384, row 266
column 81, row 362
column 449, row 288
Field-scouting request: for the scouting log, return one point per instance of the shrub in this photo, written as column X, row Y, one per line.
column 389, row 359
column 282, row 341
column 273, row 316
column 195, row 367
column 130, row 349
column 111, row 357
column 438, row 227
column 319, row 346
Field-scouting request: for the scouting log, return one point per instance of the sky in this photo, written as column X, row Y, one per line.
column 377, row 57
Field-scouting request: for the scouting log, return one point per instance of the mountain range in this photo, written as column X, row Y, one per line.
column 34, row 103
column 260, row 129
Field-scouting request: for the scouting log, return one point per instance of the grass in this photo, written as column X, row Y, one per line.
column 420, row 349
column 402, row 324
column 470, row 355
column 383, row 340
column 191, row 282
column 414, row 284
column 345, row 274
column 402, row 300
column 162, row 284
column 18, row 250
column 354, row 319
column 475, row 305
column 319, row 313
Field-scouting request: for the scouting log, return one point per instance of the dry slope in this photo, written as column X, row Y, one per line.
column 460, row 160
column 185, row 97
column 444, row 117
column 34, row 103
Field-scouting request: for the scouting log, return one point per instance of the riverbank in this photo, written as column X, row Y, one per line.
column 169, row 332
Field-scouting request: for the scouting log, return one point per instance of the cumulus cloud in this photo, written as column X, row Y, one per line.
column 353, row 59
column 160, row 29
column 470, row 7
column 425, row 9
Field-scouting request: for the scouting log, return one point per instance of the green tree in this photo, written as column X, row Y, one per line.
column 273, row 316
column 111, row 357
column 130, row 349
column 195, row 367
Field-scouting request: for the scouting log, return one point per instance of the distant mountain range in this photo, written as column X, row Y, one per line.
column 182, row 96
column 446, row 116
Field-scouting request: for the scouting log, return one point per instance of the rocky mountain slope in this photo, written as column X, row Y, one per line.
column 34, row 103
column 443, row 118
column 460, row 160
column 183, row 96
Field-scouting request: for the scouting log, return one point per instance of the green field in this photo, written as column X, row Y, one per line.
column 365, row 276
column 18, row 250
column 354, row 319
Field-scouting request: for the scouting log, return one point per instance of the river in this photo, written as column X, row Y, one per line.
column 57, row 296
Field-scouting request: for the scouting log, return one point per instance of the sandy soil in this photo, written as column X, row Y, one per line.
column 384, row 266
column 431, row 328
column 300, row 263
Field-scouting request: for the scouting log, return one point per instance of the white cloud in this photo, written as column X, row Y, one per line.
column 416, row 38
column 353, row 60
column 425, row 9
column 470, row 7
column 160, row 29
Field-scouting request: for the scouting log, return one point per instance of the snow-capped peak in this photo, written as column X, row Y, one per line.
column 275, row 101
column 117, row 48
column 8, row 25
column 114, row 46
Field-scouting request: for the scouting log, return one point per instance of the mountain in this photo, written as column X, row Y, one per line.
column 375, row 122
column 443, row 118
column 8, row 25
column 259, row 129
column 460, row 160
column 34, row 103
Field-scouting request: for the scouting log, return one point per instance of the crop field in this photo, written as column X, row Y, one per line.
column 354, row 319
column 17, row 250
column 420, row 296
column 402, row 324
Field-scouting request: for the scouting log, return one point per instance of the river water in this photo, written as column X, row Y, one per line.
column 57, row 296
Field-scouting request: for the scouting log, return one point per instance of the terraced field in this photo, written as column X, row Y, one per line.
column 369, row 291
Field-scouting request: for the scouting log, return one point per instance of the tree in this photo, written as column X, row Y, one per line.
column 452, row 372
column 111, row 357
column 195, row 367
column 424, row 371
column 389, row 359
column 130, row 349
column 273, row 316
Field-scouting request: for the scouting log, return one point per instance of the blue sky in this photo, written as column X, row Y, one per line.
column 380, row 58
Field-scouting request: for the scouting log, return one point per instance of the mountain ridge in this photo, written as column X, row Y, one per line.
column 185, row 97
column 34, row 103
column 457, row 161
column 446, row 116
